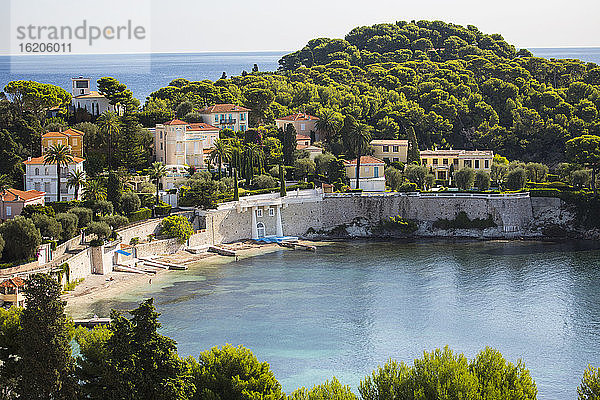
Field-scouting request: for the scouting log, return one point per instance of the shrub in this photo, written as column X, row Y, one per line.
column 416, row 174
column 482, row 180
column 393, row 178
column 177, row 226
column 134, row 241
column 31, row 209
column 464, row 178
column 68, row 222
column 516, row 179
column 580, row 178
column 115, row 221
column 536, row 172
column 399, row 224
column 303, row 167
column 264, row 182
column 130, row 202
column 84, row 215
column 140, row 215
column 408, row 187
column 64, row 206
column 99, row 228
column 462, row 221
column 429, row 181
column 49, row 227
column 162, row 209
column 103, row 207
column 333, row 390
column 21, row 238
column 234, row 373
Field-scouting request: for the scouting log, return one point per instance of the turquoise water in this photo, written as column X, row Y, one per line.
column 351, row 306
column 143, row 75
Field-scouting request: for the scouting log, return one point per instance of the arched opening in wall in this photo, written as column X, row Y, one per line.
column 260, row 228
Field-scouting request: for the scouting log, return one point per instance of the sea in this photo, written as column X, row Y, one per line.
column 351, row 306
column 144, row 74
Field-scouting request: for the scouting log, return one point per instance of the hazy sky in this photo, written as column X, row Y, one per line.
column 186, row 25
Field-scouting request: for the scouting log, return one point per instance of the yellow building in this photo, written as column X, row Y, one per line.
column 441, row 160
column 71, row 137
column 390, row 150
column 372, row 178
column 11, row 292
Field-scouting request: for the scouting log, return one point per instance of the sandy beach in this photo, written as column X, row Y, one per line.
column 95, row 288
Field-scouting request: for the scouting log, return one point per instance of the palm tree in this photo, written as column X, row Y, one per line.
column 361, row 136
column 221, row 153
column 329, row 123
column 94, row 190
column 60, row 155
column 108, row 123
column 76, row 180
column 156, row 171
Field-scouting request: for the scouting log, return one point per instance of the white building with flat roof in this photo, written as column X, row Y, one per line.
column 89, row 100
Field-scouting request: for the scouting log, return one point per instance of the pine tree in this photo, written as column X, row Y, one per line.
column 46, row 365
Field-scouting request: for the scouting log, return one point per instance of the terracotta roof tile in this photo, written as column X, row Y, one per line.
column 299, row 117
column 302, row 137
column 13, row 282
column 366, row 160
column 176, row 122
column 201, row 126
column 15, row 195
column 221, row 108
column 40, row 160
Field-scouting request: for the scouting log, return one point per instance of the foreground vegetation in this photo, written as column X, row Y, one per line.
column 130, row 360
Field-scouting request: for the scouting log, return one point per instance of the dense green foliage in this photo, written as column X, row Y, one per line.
column 590, row 384
column 177, row 226
column 21, row 238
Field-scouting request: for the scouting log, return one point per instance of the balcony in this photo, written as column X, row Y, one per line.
column 227, row 121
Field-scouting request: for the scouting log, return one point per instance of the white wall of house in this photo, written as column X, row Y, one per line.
column 44, row 178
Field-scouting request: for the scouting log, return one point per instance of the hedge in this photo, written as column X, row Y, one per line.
column 162, row 209
column 140, row 215
column 64, row 206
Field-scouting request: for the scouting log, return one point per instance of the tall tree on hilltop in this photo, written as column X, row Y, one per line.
column 109, row 126
column 59, row 155
column 46, row 365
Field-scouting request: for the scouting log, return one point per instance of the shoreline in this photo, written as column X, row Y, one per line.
column 98, row 288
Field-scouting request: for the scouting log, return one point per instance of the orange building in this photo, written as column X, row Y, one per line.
column 71, row 137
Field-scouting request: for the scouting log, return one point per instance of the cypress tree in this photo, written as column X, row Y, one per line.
column 414, row 155
column 282, row 190
column 236, row 190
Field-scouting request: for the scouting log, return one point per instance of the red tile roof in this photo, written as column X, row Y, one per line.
column 299, row 117
column 221, row 108
column 176, row 122
column 302, row 137
column 67, row 133
column 40, row 160
column 15, row 195
column 13, row 282
column 201, row 126
column 366, row 160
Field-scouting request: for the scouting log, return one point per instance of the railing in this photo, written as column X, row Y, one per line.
column 227, row 121
column 521, row 195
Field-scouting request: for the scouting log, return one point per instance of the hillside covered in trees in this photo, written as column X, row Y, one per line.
column 456, row 86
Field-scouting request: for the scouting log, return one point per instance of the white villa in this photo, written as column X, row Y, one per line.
column 226, row 116
column 89, row 100
column 372, row 178
column 43, row 177
column 180, row 143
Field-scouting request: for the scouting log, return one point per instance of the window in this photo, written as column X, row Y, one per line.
column 243, row 128
column 230, row 117
column 47, row 187
column 487, row 164
column 216, row 117
column 395, row 149
column 468, row 163
column 455, row 161
column 396, row 159
column 259, row 213
column 8, row 211
column 376, row 172
column 63, row 188
column 476, row 163
column 386, row 159
column 260, row 229
column 49, row 142
column 445, row 161
column 271, row 211
column 386, row 149
column 435, row 161
column 37, row 186
column 161, row 134
column 161, row 145
column 74, row 141
column 46, row 171
column 242, row 116
column 424, row 161
column 302, row 127
column 37, row 171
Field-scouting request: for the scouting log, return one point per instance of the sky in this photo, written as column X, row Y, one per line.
column 242, row 25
